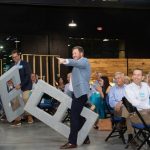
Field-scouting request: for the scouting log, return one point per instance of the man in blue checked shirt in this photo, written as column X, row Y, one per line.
column 116, row 94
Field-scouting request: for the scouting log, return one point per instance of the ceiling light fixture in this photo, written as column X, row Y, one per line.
column 16, row 41
column 105, row 40
column 1, row 47
column 72, row 24
column 99, row 28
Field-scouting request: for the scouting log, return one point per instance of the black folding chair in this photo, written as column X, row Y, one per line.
column 67, row 116
column 2, row 112
column 48, row 104
column 143, row 128
column 118, row 123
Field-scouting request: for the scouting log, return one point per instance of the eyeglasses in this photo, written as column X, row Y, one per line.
column 14, row 57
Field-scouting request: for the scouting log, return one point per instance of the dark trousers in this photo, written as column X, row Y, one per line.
column 76, row 121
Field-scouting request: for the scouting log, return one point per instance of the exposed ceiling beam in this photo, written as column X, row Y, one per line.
column 137, row 4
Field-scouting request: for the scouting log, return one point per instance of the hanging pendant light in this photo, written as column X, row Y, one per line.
column 72, row 24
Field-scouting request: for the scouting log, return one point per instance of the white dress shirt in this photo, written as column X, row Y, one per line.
column 138, row 96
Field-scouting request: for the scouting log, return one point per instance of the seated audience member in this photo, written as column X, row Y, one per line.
column 34, row 79
column 105, row 88
column 69, row 91
column 60, row 84
column 127, row 80
column 10, row 85
column 138, row 94
column 147, row 79
column 96, row 99
column 68, row 87
column 106, row 85
column 46, row 102
column 116, row 94
column 97, row 77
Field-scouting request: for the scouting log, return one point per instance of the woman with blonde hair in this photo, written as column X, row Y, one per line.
column 127, row 80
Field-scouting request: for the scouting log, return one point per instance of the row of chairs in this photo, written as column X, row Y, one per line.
column 142, row 129
column 118, row 124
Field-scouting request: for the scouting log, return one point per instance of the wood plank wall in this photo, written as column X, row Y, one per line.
column 139, row 63
column 110, row 66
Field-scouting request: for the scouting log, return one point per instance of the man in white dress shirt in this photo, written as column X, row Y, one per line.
column 138, row 94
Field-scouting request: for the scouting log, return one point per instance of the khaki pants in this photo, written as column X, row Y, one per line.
column 134, row 118
column 25, row 97
column 124, row 113
column 144, row 113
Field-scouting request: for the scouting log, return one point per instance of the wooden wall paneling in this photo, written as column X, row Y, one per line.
column 139, row 63
column 108, row 66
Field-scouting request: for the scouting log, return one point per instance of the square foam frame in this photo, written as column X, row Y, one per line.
column 7, row 97
column 55, row 121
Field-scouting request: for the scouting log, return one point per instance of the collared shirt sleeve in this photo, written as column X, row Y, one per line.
column 112, row 100
column 67, row 62
column 80, row 63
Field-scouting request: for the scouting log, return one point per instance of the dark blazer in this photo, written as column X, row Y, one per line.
column 25, row 75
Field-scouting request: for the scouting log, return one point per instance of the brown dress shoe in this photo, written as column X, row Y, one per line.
column 63, row 146
column 16, row 123
column 68, row 146
column 30, row 119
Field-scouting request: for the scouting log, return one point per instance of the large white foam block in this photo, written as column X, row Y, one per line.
column 9, row 95
column 55, row 121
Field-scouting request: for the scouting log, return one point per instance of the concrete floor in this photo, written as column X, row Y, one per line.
column 39, row 136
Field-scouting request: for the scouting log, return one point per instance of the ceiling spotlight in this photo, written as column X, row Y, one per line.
column 16, row 41
column 1, row 47
column 72, row 24
column 99, row 28
column 105, row 40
